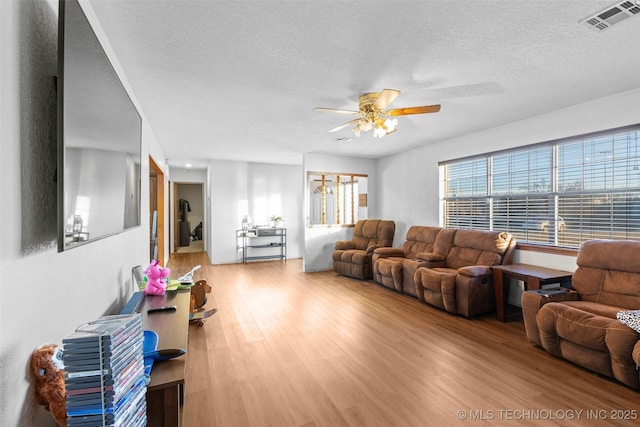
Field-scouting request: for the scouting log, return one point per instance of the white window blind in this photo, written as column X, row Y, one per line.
column 560, row 193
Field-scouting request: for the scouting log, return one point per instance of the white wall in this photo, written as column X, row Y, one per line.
column 259, row 190
column 319, row 240
column 45, row 295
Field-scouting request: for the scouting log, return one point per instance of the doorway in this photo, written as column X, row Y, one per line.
column 189, row 217
column 156, row 212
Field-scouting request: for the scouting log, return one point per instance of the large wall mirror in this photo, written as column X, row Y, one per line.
column 336, row 198
column 99, row 139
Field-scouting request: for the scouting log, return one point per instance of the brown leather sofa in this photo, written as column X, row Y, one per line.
column 395, row 267
column 581, row 325
column 353, row 257
column 461, row 281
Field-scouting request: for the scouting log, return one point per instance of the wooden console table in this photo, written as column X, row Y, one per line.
column 165, row 392
column 533, row 277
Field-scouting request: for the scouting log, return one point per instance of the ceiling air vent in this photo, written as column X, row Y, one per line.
column 612, row 15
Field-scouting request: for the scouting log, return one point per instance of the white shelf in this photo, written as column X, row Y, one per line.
column 255, row 244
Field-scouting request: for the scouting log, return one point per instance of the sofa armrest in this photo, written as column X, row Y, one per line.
column 388, row 252
column 430, row 256
column 475, row 271
column 431, row 260
column 532, row 301
column 545, row 296
column 345, row 244
column 371, row 249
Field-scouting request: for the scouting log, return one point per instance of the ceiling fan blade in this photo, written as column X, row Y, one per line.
column 335, row 110
column 385, row 98
column 344, row 125
column 413, row 110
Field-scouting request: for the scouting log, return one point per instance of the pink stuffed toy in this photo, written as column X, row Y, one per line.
column 156, row 285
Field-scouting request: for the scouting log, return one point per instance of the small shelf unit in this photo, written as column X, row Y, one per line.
column 262, row 243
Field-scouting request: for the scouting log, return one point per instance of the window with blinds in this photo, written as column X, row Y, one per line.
column 559, row 193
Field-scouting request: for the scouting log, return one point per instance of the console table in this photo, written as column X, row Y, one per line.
column 533, row 277
column 165, row 392
column 263, row 239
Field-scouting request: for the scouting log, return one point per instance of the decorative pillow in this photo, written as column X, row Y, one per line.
column 631, row 318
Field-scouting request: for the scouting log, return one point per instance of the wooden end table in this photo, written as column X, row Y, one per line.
column 533, row 277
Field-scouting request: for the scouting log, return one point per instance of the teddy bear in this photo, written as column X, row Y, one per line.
column 156, row 285
column 47, row 369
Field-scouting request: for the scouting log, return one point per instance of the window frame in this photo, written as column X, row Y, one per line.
column 497, row 197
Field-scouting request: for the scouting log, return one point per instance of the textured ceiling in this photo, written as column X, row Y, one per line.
column 238, row 80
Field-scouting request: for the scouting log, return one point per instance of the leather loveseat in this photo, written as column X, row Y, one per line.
column 353, row 257
column 582, row 326
column 461, row 281
column 395, row 267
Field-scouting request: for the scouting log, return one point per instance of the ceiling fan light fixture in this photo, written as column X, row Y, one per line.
column 372, row 109
column 391, row 125
column 379, row 132
column 363, row 125
column 384, row 127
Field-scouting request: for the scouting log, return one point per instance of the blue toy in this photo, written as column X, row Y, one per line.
column 151, row 353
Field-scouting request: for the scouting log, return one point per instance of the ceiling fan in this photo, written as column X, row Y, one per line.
column 373, row 114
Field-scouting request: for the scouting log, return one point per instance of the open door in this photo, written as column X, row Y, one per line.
column 188, row 202
column 156, row 212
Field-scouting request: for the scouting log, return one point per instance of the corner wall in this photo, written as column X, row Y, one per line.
column 259, row 190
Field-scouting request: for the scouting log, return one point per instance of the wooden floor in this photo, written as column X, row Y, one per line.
column 288, row 348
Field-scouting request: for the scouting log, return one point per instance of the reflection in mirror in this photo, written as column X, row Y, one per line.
column 336, row 198
column 100, row 134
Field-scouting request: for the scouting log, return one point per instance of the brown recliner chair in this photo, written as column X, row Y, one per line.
column 353, row 257
column 462, row 282
column 581, row 325
column 395, row 267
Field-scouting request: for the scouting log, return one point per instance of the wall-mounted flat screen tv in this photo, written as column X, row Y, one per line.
column 99, row 138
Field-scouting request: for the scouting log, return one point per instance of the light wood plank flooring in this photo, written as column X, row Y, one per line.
column 288, row 348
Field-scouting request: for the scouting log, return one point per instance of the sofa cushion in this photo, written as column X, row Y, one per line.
column 386, row 266
column 561, row 321
column 420, row 239
column 597, row 342
column 605, row 279
column 617, row 288
column 438, row 287
column 355, row 256
column 372, row 233
column 603, row 310
column 477, row 247
column 363, row 231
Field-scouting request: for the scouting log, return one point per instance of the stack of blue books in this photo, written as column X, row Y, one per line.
column 104, row 373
